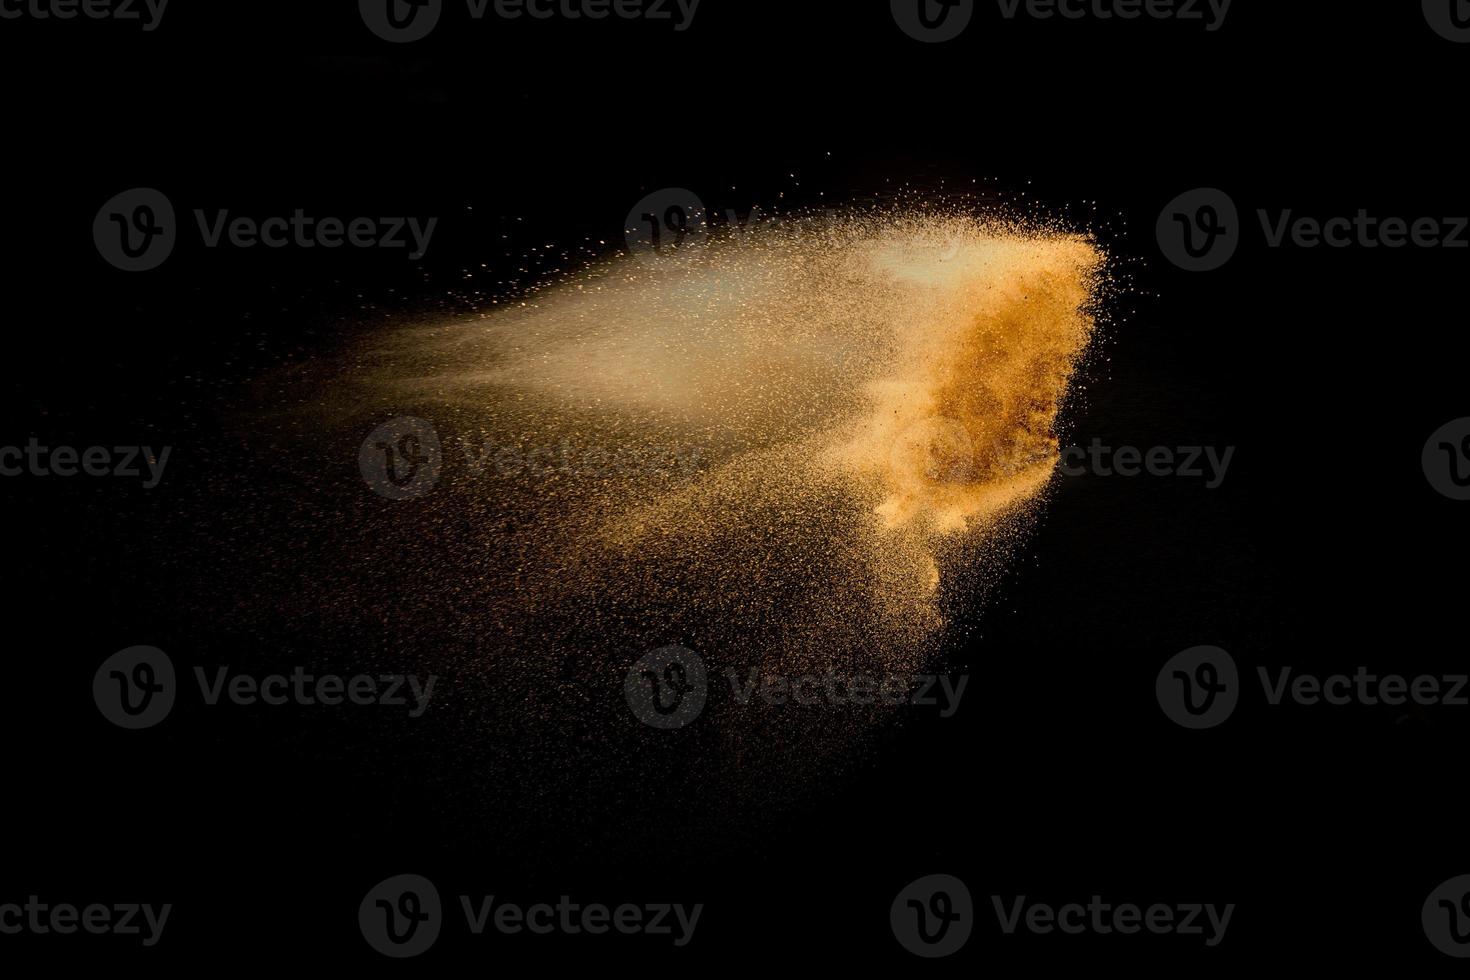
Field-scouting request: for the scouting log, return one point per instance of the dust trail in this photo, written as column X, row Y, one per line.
column 789, row 451
column 855, row 395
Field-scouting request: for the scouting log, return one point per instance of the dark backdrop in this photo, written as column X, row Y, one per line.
column 1326, row 548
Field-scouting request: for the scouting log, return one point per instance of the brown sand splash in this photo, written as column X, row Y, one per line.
column 862, row 396
column 790, row 451
column 829, row 423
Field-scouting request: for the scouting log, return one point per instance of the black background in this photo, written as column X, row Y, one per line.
column 1325, row 548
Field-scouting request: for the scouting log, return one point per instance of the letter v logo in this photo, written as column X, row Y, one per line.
column 933, row 21
column 401, row 21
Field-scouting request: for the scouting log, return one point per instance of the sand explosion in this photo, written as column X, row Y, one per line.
column 790, row 451
column 855, row 393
